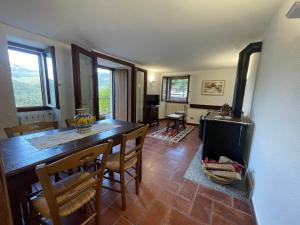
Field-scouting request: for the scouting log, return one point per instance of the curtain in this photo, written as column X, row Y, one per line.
column 121, row 94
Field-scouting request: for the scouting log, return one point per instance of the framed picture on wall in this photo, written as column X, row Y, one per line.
column 213, row 87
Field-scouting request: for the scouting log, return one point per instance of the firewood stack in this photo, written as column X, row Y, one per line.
column 224, row 171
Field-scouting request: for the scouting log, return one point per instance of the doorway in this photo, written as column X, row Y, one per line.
column 107, row 86
column 113, row 90
column 115, row 75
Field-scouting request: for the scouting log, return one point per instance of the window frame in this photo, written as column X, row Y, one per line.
column 44, row 80
column 168, row 88
column 51, row 50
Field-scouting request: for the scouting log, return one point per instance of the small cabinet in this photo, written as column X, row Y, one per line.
column 151, row 115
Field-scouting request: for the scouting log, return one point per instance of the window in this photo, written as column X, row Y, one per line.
column 33, row 73
column 175, row 89
column 164, row 89
column 25, row 72
column 105, row 92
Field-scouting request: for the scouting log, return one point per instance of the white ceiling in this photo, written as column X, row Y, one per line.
column 164, row 35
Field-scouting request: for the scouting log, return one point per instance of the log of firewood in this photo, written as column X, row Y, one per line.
column 224, row 159
column 227, row 174
column 219, row 166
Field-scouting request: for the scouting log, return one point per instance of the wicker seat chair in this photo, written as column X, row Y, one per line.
column 60, row 199
column 24, row 128
column 127, row 158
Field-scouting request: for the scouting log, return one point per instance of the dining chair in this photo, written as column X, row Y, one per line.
column 24, row 128
column 63, row 198
column 20, row 130
column 124, row 160
column 70, row 122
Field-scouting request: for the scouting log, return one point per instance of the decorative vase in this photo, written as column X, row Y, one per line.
column 83, row 121
column 225, row 110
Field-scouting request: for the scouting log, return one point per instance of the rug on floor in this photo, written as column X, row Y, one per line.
column 194, row 173
column 171, row 135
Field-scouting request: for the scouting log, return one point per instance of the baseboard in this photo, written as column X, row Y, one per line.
column 249, row 183
column 193, row 124
column 253, row 212
column 250, row 187
column 162, row 119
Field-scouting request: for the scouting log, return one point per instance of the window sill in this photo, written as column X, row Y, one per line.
column 36, row 108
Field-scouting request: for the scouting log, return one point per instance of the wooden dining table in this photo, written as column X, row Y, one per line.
column 20, row 159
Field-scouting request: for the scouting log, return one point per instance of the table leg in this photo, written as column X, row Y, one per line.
column 18, row 186
column 137, row 142
column 15, row 203
column 168, row 126
column 177, row 126
column 56, row 177
column 25, row 207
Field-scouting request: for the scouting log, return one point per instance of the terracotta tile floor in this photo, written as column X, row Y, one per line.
column 167, row 198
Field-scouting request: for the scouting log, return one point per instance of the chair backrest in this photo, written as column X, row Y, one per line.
column 82, row 158
column 23, row 128
column 70, row 122
column 127, row 154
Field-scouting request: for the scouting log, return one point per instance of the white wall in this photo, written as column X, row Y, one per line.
column 275, row 152
column 154, row 83
column 8, row 114
column 154, row 88
column 195, row 96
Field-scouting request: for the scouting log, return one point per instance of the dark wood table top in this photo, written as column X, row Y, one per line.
column 216, row 116
column 19, row 155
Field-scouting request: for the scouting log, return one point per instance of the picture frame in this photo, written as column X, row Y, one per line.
column 213, row 87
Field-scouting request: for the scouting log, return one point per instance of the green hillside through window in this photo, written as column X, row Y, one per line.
column 27, row 87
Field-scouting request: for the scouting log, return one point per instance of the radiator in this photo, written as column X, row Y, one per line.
column 36, row 116
column 173, row 107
